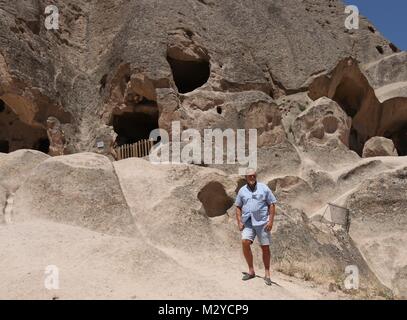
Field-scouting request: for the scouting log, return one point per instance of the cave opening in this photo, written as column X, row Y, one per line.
column 16, row 134
column 135, row 123
column 380, row 49
column 2, row 106
column 349, row 95
column 400, row 140
column 189, row 75
column 4, row 146
column 42, row 145
column 355, row 142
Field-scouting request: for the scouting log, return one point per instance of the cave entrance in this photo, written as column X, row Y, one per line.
column 355, row 142
column 2, row 105
column 4, row 146
column 137, row 123
column 400, row 140
column 349, row 95
column 16, row 134
column 189, row 75
column 42, row 145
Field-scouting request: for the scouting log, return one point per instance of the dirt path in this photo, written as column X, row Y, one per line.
column 97, row 266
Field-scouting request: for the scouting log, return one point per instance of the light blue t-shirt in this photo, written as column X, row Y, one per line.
column 254, row 204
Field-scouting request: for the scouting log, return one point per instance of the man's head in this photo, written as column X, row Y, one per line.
column 251, row 177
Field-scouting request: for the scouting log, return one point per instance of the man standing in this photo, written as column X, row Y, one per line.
column 255, row 210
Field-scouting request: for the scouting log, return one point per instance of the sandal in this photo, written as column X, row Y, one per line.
column 248, row 276
column 267, row 281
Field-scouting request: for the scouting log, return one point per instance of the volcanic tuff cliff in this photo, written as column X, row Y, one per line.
column 321, row 97
column 109, row 55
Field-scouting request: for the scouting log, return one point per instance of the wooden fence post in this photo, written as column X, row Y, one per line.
column 139, row 149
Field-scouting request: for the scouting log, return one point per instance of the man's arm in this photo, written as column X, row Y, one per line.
column 272, row 213
column 240, row 224
column 239, row 204
column 271, row 202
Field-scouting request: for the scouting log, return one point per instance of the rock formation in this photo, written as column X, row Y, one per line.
column 378, row 213
column 379, row 146
column 56, row 137
column 76, row 189
column 98, row 60
column 320, row 97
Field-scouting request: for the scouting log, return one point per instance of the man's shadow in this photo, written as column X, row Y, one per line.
column 272, row 282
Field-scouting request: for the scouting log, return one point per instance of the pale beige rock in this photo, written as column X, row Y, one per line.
column 391, row 91
column 400, row 283
column 203, row 109
column 192, row 203
column 324, row 120
column 183, row 211
column 182, row 46
column 80, row 189
column 174, row 228
column 56, row 137
column 388, row 70
column 379, row 224
column 291, row 106
column 303, row 250
column 167, row 195
column 379, row 147
column 3, row 198
column 374, row 95
column 322, row 132
column 17, row 166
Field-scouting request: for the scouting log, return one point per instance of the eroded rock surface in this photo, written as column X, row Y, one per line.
column 378, row 225
column 115, row 70
column 80, row 189
column 379, row 146
column 322, row 122
column 110, row 52
column 16, row 166
column 3, row 198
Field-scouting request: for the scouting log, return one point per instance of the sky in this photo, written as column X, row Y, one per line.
column 388, row 16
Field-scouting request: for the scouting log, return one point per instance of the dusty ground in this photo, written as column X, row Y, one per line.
column 98, row 266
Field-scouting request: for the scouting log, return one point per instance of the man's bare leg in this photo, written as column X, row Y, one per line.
column 266, row 260
column 247, row 252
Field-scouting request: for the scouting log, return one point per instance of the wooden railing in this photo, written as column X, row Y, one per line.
column 139, row 149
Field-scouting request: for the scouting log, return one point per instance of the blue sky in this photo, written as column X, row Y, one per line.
column 388, row 16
